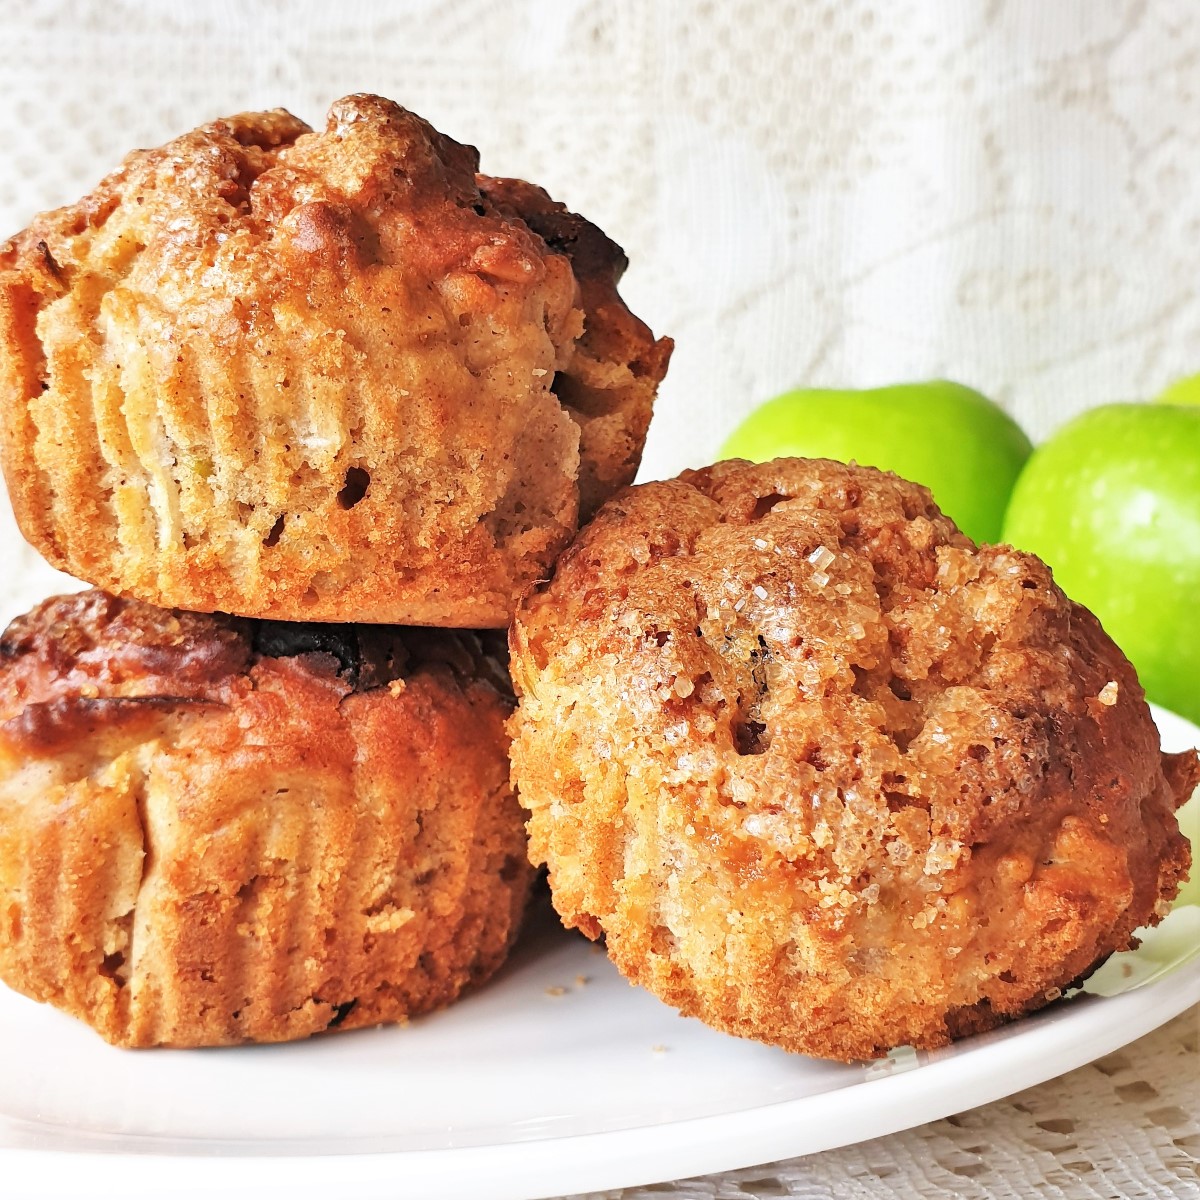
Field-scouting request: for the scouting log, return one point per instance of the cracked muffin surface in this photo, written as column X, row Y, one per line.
column 324, row 376
column 826, row 774
column 215, row 830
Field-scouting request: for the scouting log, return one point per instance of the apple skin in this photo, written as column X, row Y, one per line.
column 1182, row 391
column 1112, row 502
column 949, row 437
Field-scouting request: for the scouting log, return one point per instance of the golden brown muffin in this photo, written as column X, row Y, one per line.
column 825, row 773
column 216, row 831
column 317, row 376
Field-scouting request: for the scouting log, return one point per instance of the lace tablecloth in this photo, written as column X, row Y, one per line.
column 831, row 192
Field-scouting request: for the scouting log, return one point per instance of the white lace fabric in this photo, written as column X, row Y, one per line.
column 828, row 192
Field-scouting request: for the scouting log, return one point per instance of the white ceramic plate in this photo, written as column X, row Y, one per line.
column 556, row 1078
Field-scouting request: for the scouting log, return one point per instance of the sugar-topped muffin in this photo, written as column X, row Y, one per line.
column 330, row 376
column 216, row 830
column 827, row 774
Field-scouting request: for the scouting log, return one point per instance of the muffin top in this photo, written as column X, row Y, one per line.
column 805, row 627
column 79, row 663
column 328, row 375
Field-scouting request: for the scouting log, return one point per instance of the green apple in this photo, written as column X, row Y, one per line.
column 1112, row 502
column 1182, row 391
column 954, row 440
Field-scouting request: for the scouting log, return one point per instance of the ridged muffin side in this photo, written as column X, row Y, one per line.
column 317, row 376
column 215, row 831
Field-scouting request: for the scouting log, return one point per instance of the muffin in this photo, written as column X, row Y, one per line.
column 827, row 774
column 317, row 376
column 215, row 830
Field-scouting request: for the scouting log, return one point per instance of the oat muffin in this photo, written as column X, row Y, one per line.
column 317, row 376
column 216, row 831
column 825, row 773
